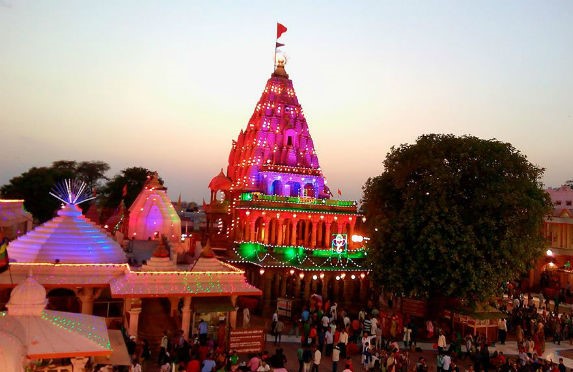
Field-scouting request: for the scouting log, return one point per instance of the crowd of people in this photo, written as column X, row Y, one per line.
column 383, row 341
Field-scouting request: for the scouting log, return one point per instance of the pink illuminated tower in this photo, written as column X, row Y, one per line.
column 273, row 214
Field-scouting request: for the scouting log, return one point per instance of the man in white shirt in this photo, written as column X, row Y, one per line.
column 447, row 361
column 316, row 356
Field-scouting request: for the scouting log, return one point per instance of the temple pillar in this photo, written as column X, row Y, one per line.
column 306, row 237
column 297, row 285
column 363, row 290
column 87, row 295
column 280, row 232
column 233, row 313
column 348, row 288
column 324, row 291
column 336, row 290
column 293, row 233
column 284, row 279
column 307, row 283
column 319, row 236
column 134, row 320
column 174, row 304
column 186, row 316
column 327, row 236
column 276, row 284
column 267, row 283
column 313, row 235
column 79, row 363
column 252, row 237
column 265, row 231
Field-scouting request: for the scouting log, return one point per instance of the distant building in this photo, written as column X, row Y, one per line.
column 273, row 213
column 14, row 219
column 553, row 270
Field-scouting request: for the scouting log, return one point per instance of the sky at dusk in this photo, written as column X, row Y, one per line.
column 167, row 85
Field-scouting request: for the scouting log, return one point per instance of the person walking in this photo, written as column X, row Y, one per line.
column 335, row 358
column 316, row 357
column 278, row 331
column 502, row 330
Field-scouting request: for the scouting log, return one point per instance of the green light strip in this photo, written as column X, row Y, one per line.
column 249, row 196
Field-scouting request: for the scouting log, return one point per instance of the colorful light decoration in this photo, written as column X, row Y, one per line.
column 261, row 271
column 301, row 275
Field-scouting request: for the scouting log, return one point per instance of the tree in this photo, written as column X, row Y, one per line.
column 133, row 179
column 454, row 216
column 35, row 184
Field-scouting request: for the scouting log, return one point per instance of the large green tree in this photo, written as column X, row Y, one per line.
column 35, row 184
column 131, row 180
column 454, row 216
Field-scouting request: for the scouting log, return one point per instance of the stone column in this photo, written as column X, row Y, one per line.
column 307, row 280
column 325, row 281
column 174, row 302
column 266, row 228
column 293, row 233
column 319, row 236
column 87, row 295
column 297, row 283
column 233, row 313
column 283, row 285
column 252, row 237
column 363, row 290
column 276, row 284
column 186, row 316
column 327, row 235
column 267, row 283
column 348, row 288
column 313, row 234
column 134, row 320
column 335, row 290
column 280, row 232
column 79, row 363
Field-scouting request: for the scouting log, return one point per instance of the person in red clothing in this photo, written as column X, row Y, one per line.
column 194, row 364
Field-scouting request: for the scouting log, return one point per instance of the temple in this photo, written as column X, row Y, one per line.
column 272, row 212
column 84, row 270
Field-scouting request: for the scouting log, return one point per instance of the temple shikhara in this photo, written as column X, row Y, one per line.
column 273, row 213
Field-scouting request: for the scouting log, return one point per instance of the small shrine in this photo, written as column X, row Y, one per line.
column 31, row 334
column 152, row 214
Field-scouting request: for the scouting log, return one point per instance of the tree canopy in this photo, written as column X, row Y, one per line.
column 35, row 184
column 454, row 216
column 131, row 179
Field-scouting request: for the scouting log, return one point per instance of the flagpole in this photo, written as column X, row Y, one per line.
column 275, row 59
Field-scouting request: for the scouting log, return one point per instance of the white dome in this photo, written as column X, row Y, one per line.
column 68, row 238
column 27, row 298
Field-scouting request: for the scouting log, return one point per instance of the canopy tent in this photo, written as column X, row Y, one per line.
column 56, row 334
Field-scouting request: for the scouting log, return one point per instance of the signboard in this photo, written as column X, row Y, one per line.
column 250, row 340
column 284, row 306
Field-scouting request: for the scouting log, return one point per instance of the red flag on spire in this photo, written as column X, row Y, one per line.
column 280, row 30
column 204, row 204
column 278, row 45
column 124, row 191
column 339, row 192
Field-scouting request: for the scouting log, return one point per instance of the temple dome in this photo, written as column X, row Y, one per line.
column 27, row 298
column 68, row 238
column 220, row 182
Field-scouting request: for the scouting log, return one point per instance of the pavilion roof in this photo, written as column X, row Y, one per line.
column 54, row 275
column 182, row 283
